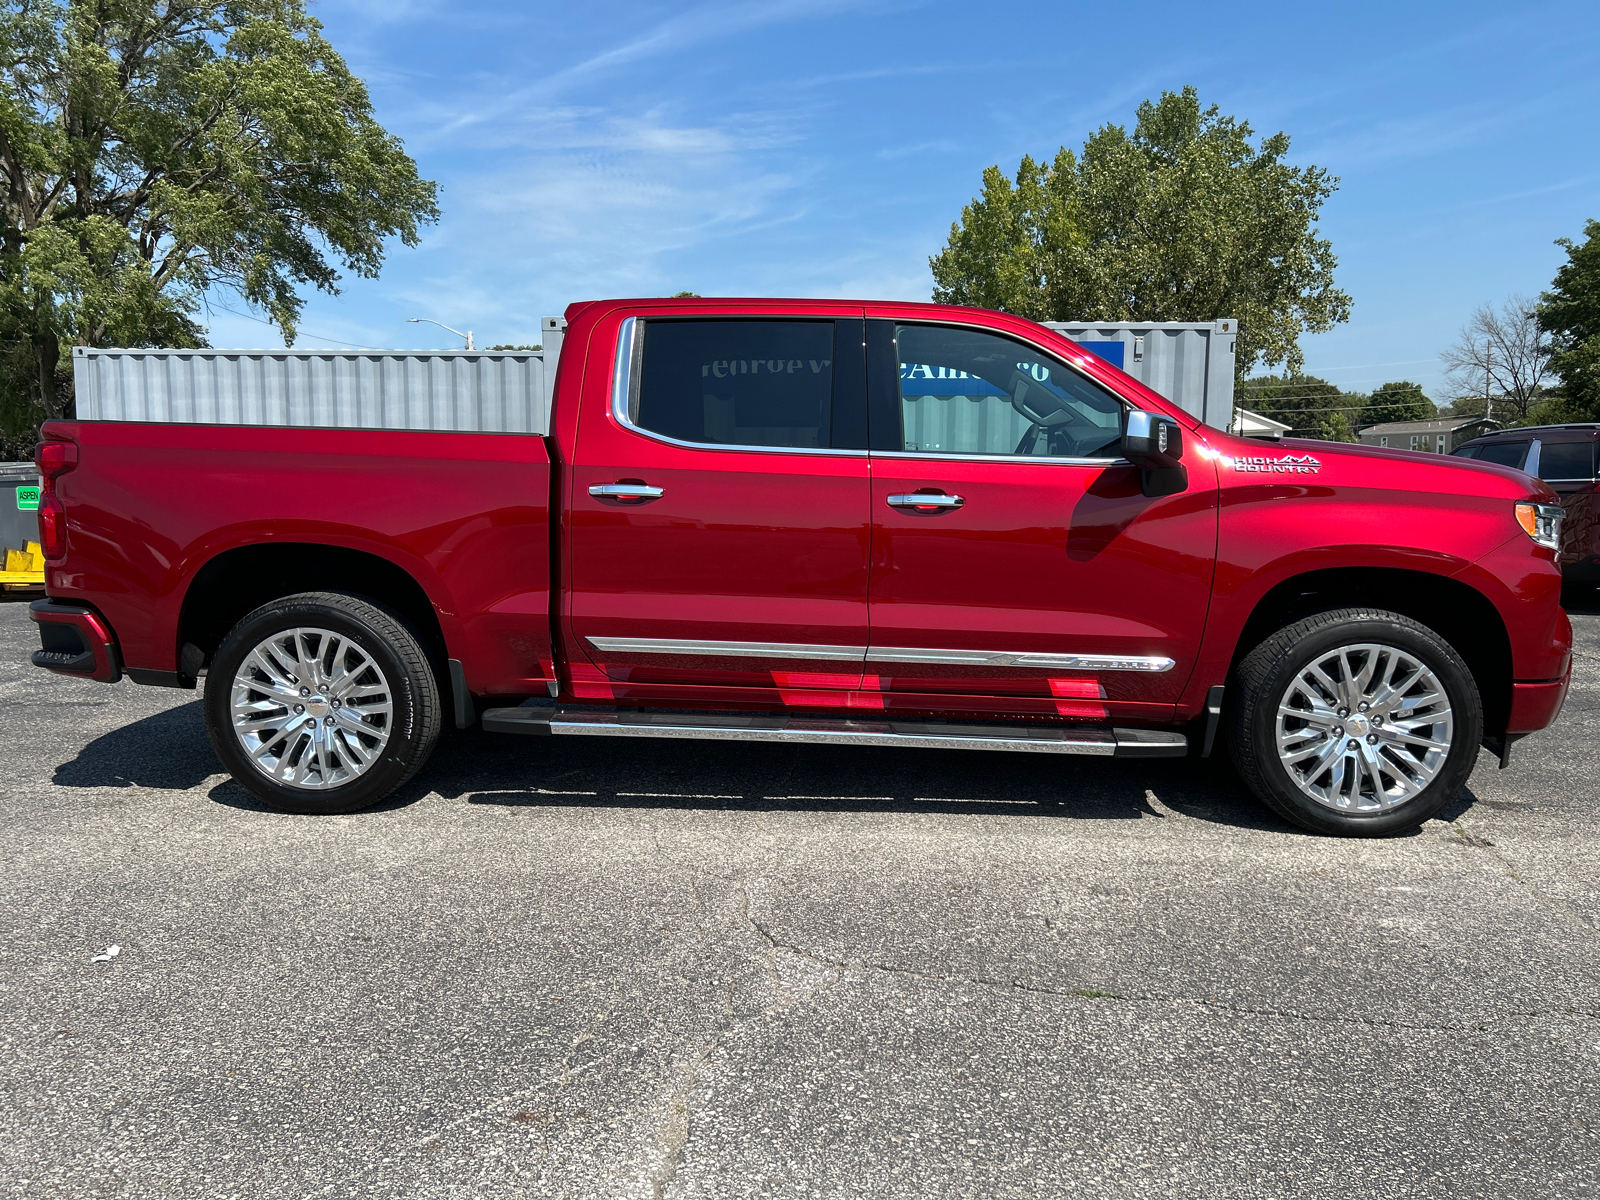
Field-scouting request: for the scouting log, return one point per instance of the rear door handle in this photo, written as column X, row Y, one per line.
column 925, row 500
column 627, row 491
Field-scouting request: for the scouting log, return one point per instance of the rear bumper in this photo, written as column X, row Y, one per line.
column 75, row 640
column 1536, row 705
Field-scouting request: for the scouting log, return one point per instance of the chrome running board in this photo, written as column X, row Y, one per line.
column 543, row 719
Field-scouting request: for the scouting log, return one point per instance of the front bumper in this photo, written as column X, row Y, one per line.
column 1536, row 705
column 75, row 640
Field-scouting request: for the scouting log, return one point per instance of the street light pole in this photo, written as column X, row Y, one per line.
column 442, row 325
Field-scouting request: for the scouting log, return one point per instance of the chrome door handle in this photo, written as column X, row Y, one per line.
column 626, row 491
column 925, row 500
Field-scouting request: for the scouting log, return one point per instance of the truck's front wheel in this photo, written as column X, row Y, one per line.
column 321, row 703
column 1356, row 721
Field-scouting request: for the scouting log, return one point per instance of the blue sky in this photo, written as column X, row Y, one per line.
column 774, row 147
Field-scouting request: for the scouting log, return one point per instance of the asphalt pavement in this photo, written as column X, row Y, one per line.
column 593, row 968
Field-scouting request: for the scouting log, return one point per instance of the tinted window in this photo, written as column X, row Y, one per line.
column 737, row 383
column 1506, row 454
column 1566, row 460
column 967, row 392
column 1464, row 452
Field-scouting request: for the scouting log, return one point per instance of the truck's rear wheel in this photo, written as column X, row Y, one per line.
column 321, row 703
column 1356, row 721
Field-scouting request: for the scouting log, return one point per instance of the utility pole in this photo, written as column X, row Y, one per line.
column 1488, row 374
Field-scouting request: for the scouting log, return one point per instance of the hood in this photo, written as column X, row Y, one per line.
column 1375, row 466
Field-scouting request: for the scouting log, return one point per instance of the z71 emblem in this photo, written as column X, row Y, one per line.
column 1288, row 464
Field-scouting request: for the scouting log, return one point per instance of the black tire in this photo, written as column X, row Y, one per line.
column 412, row 725
column 1265, row 677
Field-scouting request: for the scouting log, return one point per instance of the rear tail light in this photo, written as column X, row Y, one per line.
column 54, row 458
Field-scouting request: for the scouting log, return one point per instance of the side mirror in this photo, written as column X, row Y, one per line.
column 1154, row 444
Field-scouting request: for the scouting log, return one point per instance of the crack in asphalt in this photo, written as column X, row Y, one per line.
column 1086, row 993
column 1560, row 907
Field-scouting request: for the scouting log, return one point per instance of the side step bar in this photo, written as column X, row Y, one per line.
column 542, row 719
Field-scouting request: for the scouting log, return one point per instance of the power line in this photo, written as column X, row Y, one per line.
column 309, row 332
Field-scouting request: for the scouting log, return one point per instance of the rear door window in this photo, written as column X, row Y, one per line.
column 1505, row 454
column 737, row 383
column 1566, row 462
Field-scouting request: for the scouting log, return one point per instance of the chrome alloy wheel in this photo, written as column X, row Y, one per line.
column 1364, row 728
column 311, row 709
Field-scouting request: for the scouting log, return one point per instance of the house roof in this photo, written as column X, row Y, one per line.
column 1248, row 422
column 1441, row 425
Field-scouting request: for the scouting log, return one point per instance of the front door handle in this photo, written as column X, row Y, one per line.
column 626, row 491
column 925, row 501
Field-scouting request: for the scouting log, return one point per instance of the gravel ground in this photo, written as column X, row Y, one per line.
column 585, row 968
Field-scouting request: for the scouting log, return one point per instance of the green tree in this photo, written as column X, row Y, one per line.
column 1570, row 313
column 152, row 150
column 1185, row 219
column 1401, row 401
column 1306, row 404
column 1338, row 427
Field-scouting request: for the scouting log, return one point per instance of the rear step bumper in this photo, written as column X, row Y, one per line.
column 75, row 641
column 858, row 731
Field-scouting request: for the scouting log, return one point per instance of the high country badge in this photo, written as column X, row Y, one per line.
column 1287, row 464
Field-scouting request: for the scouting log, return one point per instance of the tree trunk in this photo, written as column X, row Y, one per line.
column 47, row 354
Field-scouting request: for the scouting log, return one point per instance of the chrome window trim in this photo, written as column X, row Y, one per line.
column 885, row 654
column 1006, row 458
column 626, row 371
column 625, row 379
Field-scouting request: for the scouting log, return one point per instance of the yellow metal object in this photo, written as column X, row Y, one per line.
column 24, row 568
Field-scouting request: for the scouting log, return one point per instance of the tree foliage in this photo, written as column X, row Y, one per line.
column 1184, row 219
column 1401, row 401
column 152, row 150
column 1570, row 313
column 1315, row 408
column 1311, row 407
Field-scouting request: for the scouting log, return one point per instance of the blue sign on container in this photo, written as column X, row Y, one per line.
column 1110, row 351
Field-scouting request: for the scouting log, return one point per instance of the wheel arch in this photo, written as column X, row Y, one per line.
column 1456, row 611
column 239, row 580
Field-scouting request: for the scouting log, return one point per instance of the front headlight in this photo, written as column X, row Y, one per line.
column 1542, row 522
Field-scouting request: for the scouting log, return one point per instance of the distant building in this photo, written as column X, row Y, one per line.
column 1439, row 436
column 1254, row 425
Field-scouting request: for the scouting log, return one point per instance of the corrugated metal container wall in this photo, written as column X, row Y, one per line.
column 1191, row 363
column 463, row 391
column 18, row 525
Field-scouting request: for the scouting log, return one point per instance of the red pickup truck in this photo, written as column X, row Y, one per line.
column 806, row 521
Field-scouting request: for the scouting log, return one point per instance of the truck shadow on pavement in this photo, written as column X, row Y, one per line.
column 169, row 751
column 543, row 773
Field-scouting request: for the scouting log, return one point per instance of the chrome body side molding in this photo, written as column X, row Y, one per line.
column 885, row 654
column 606, row 645
column 1017, row 658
